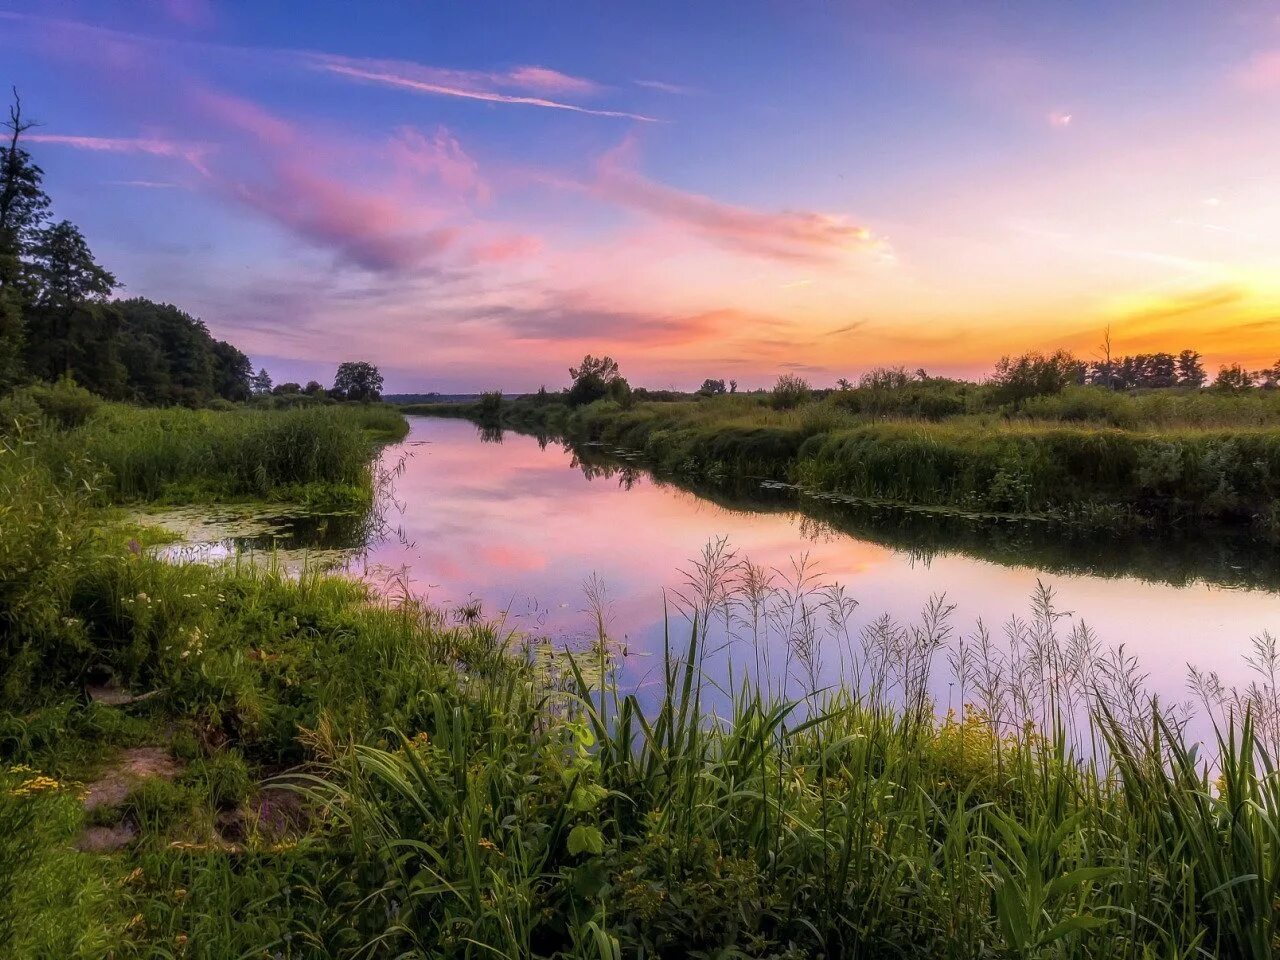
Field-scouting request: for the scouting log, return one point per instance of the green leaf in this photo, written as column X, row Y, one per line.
column 586, row 839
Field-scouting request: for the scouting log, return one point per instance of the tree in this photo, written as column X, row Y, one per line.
column 357, row 380
column 711, row 388
column 595, row 379
column 63, row 271
column 23, row 207
column 232, row 372
column 314, row 388
column 790, row 391
column 282, row 389
column 733, row 386
column 260, row 383
column 1191, row 371
column 1034, row 375
column 844, row 384
column 1233, row 379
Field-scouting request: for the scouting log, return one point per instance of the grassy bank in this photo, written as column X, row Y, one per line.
column 316, row 456
column 355, row 776
column 1181, row 457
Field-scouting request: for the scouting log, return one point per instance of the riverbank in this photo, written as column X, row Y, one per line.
column 1187, row 459
column 301, row 767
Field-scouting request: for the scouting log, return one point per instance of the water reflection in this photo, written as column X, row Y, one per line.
column 520, row 525
column 507, row 523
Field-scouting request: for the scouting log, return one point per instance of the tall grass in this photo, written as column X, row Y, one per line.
column 180, row 454
column 467, row 792
column 1173, row 463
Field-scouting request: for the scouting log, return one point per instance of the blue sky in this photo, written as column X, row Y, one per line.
column 473, row 195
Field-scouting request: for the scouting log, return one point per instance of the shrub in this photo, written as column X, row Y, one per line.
column 789, row 392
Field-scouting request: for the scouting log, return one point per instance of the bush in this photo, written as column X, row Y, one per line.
column 64, row 403
column 789, row 392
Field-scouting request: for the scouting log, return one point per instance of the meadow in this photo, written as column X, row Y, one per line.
column 1085, row 456
column 357, row 774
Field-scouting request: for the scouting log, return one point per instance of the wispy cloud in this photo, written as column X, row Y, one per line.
column 664, row 87
column 799, row 236
column 468, row 85
column 192, row 153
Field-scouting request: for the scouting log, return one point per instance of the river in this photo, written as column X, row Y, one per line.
column 520, row 526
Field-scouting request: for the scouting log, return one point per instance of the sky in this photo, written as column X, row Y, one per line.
column 473, row 195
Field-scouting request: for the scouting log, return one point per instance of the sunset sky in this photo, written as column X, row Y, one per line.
column 473, row 195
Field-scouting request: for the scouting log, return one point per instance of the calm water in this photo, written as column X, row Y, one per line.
column 520, row 527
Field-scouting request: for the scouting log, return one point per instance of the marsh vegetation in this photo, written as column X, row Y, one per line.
column 352, row 772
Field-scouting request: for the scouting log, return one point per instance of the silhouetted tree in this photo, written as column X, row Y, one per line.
column 357, row 380
column 260, row 382
column 1034, row 375
column 711, row 388
column 1233, row 379
column 1190, row 370
column 596, row 378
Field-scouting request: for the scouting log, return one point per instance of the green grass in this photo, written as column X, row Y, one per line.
column 316, row 456
column 460, row 791
column 1183, row 458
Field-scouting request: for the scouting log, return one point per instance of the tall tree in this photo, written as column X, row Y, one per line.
column 63, row 271
column 1191, row 372
column 260, row 382
column 23, row 208
column 357, row 380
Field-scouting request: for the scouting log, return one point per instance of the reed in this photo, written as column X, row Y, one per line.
column 463, row 791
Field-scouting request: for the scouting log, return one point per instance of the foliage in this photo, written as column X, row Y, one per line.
column 1034, row 375
column 1233, row 379
column 465, row 792
column 357, row 380
column 56, row 321
column 595, row 379
column 490, row 410
column 712, row 388
column 790, row 391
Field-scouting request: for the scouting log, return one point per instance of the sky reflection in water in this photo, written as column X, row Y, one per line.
column 521, row 529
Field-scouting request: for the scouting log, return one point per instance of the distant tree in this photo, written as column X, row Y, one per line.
column 283, row 389
column 232, row 372
column 790, row 391
column 733, row 386
column 491, row 407
column 314, row 388
column 260, row 383
column 593, row 380
column 844, row 385
column 885, row 378
column 1233, row 379
column 1190, row 370
column 711, row 388
column 1268, row 378
column 1033, row 375
column 357, row 380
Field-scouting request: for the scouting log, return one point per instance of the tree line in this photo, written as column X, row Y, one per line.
column 58, row 321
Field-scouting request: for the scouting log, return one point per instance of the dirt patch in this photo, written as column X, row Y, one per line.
column 107, row 839
column 126, row 772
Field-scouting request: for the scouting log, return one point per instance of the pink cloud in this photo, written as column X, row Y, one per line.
column 548, row 81
column 375, row 230
column 503, row 249
column 469, row 85
column 1261, row 73
column 192, row 153
column 441, row 156
column 787, row 235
